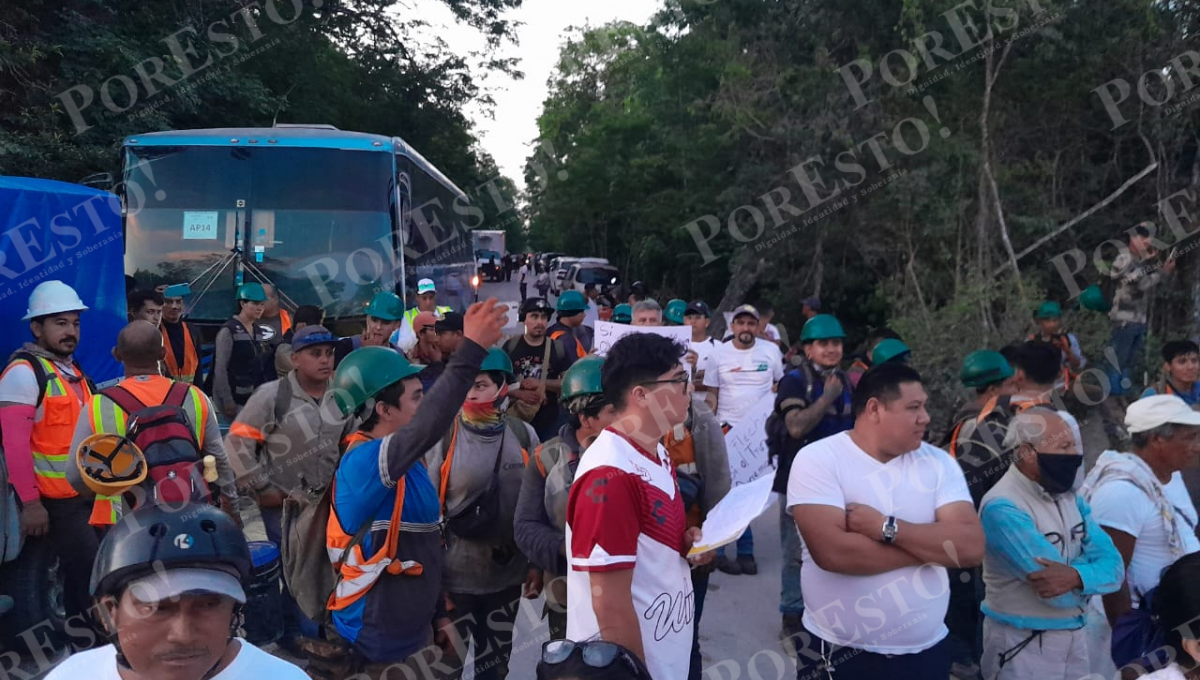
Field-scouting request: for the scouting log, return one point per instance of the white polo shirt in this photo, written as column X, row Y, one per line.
column 897, row 612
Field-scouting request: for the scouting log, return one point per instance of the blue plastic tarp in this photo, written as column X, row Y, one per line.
column 71, row 233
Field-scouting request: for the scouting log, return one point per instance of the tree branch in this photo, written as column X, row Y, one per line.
column 1080, row 217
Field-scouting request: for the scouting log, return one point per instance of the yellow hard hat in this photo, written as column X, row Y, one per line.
column 110, row 464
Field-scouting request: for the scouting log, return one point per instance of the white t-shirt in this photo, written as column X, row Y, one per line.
column 524, row 274
column 744, row 376
column 897, row 612
column 704, row 351
column 251, row 663
column 1122, row 506
column 625, row 512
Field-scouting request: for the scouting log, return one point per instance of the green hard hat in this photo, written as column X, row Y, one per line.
column 365, row 372
column 386, row 306
column 674, row 311
column 571, row 301
column 821, row 327
column 623, row 313
column 1093, row 298
column 890, row 349
column 1048, row 310
column 984, row 367
column 252, row 291
column 498, row 360
column 582, row 378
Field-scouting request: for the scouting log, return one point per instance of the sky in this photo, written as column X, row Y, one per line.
column 508, row 136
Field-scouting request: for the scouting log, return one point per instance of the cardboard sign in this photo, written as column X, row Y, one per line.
column 746, row 443
column 608, row 333
column 199, row 225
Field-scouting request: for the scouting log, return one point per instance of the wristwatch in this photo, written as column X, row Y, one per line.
column 889, row 529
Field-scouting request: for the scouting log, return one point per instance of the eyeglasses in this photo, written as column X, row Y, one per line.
column 596, row 654
column 681, row 379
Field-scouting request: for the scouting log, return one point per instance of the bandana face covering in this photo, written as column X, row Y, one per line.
column 486, row 415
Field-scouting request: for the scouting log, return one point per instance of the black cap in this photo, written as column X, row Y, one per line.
column 698, row 307
column 450, row 321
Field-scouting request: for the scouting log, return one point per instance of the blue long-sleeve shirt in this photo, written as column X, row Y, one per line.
column 1015, row 538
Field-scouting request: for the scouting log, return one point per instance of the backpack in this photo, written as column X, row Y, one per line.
column 780, row 444
column 43, row 378
column 164, row 433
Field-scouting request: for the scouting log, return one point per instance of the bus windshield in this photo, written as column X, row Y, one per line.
column 309, row 220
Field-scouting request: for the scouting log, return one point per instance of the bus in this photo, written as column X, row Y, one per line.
column 329, row 217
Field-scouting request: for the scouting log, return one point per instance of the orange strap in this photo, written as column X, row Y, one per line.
column 954, row 438
column 537, row 458
column 444, row 470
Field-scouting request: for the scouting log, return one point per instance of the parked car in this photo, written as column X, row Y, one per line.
column 603, row 276
column 564, row 265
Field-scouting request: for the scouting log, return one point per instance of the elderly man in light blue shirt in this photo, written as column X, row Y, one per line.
column 1046, row 557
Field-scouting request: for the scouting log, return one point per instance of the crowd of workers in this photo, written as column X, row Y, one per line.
column 422, row 478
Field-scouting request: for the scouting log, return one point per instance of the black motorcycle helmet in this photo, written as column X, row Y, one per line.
column 534, row 304
column 195, row 535
column 157, row 537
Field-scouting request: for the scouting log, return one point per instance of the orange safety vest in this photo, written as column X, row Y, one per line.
column 191, row 358
column 683, row 452
column 357, row 573
column 285, row 320
column 105, row 417
column 50, row 441
column 579, row 351
column 354, row 439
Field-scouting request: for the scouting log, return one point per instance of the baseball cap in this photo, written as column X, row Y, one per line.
column 697, row 307
column 164, row 585
column 312, row 335
column 746, row 309
column 424, row 319
column 450, row 321
column 1148, row 413
column 814, row 303
column 426, row 286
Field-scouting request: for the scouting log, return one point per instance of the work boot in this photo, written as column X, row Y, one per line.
column 748, row 565
column 727, row 566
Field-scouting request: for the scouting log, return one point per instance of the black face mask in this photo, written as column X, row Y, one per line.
column 1058, row 471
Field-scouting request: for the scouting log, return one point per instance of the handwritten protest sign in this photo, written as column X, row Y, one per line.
column 746, row 443
column 608, row 333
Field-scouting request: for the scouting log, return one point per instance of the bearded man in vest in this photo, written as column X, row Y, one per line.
column 182, row 345
column 140, row 350
column 42, row 392
column 382, row 480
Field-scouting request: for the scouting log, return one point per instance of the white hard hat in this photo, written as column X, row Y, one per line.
column 53, row 297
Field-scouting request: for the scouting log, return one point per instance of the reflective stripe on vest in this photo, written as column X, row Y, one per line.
column 191, row 359
column 50, row 441
column 411, row 315
column 105, row 417
column 356, row 573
